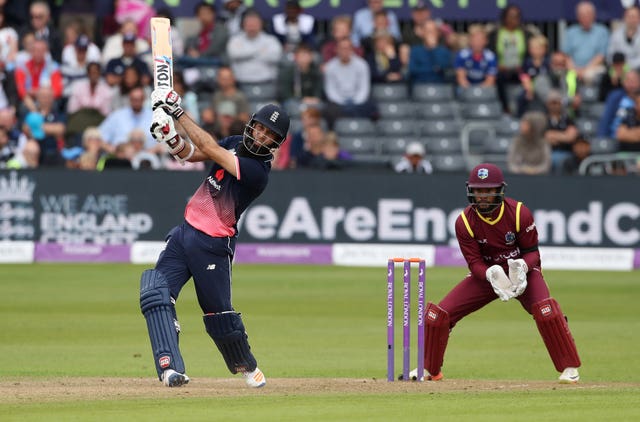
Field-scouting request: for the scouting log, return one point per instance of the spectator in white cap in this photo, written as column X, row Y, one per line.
column 414, row 160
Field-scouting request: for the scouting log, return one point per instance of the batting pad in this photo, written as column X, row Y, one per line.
column 159, row 311
column 555, row 333
column 436, row 333
column 228, row 333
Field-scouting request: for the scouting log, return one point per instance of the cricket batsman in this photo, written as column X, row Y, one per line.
column 203, row 245
column 499, row 240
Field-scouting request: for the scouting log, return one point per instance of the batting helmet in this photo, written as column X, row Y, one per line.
column 485, row 176
column 273, row 118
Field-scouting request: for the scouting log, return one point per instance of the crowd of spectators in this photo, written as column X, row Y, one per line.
column 70, row 100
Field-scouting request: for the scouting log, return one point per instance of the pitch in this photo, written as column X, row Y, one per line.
column 74, row 346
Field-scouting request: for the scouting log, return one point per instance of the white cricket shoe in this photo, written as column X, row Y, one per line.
column 413, row 376
column 569, row 376
column 255, row 379
column 171, row 378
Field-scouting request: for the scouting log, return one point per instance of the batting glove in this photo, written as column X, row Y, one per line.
column 168, row 100
column 163, row 130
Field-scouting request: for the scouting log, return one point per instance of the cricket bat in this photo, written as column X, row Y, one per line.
column 162, row 53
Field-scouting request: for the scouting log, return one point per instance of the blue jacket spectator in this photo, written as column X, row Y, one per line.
column 586, row 43
column 476, row 65
column 430, row 61
column 616, row 103
column 363, row 22
column 292, row 27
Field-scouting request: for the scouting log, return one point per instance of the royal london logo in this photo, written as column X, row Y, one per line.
column 16, row 189
column 274, row 116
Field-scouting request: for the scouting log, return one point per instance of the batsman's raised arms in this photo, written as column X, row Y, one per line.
column 161, row 51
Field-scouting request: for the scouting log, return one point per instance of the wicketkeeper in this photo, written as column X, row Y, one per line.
column 499, row 241
column 203, row 245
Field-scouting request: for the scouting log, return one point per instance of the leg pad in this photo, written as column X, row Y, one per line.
column 436, row 333
column 158, row 309
column 555, row 333
column 228, row 333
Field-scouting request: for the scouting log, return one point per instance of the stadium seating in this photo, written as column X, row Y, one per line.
column 361, row 145
column 390, row 92
column 441, row 128
column 479, row 94
column 438, row 111
column 449, row 163
column 398, row 127
column 443, row 145
column 351, row 126
column 396, row 146
column 432, row 92
column 482, row 111
column 397, row 109
column 260, row 92
column 603, row 145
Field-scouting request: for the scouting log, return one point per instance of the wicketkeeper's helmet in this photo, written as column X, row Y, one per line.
column 486, row 175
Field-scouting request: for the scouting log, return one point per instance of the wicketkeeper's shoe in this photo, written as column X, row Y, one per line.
column 569, row 376
column 413, row 375
column 255, row 379
column 171, row 378
column 437, row 377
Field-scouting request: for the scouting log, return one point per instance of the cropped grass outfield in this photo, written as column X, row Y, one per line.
column 64, row 323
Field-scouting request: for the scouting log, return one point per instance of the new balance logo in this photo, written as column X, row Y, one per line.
column 274, row 116
column 211, row 267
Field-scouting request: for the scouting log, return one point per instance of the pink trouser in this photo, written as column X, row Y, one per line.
column 472, row 294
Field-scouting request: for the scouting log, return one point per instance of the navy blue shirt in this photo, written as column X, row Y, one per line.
column 216, row 206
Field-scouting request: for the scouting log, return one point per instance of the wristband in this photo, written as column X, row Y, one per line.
column 176, row 145
column 183, row 160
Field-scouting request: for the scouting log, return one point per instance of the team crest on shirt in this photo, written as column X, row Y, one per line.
column 509, row 238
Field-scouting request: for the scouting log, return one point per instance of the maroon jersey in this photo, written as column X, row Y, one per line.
column 509, row 232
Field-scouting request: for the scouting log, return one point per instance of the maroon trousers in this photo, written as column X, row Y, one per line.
column 472, row 294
